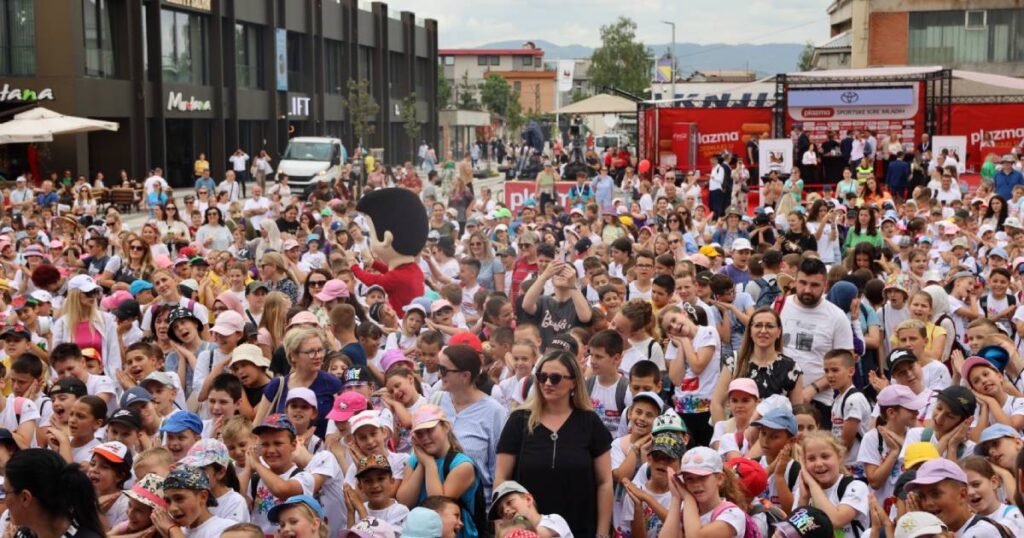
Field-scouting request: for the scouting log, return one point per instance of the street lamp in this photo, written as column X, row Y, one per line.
column 672, row 52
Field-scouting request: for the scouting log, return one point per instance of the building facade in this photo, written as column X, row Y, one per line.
column 976, row 35
column 523, row 68
column 184, row 77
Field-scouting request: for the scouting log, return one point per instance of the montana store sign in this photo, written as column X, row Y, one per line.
column 24, row 95
column 177, row 101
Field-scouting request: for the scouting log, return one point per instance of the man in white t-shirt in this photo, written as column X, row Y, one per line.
column 812, row 326
column 238, row 161
column 257, row 208
column 22, row 195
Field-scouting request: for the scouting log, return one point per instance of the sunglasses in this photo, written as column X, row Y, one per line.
column 445, row 371
column 555, row 379
column 316, row 283
column 138, row 248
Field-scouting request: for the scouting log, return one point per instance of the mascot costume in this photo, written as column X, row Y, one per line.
column 398, row 231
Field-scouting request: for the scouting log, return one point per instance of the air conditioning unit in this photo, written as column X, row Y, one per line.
column 976, row 19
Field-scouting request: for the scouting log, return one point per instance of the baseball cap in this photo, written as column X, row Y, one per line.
column 915, row 524
column 935, row 471
column 701, row 461
column 898, row 356
column 709, row 251
column 149, row 490
column 228, row 323
column 15, row 329
column 185, row 477
column 181, row 421
column 374, row 287
column 22, row 301
column 333, row 289
column 131, row 396
column 438, row 305
column 357, row 375
column 669, row 421
column 127, row 310
column 392, row 357
column 972, row 363
column 157, row 377
column 996, row 355
column 275, row 422
column 44, row 296
column 960, row 400
column 993, row 433
column 919, row 452
column 507, row 487
column 741, row 244
column 301, row 393
column 249, row 353
column 422, row 523
column 650, row 397
column 745, row 385
column 113, row 451
column 464, row 338
column 753, row 477
column 365, row 418
column 112, row 301
column 346, row 405
column 76, row 388
column 139, row 286
column 899, row 395
column 1000, row 252
column 806, row 522
column 127, row 416
column 427, row 416
column 82, row 283
column 376, row 462
column 304, row 318
column 778, row 419
column 670, row 444
column 583, row 245
column 207, row 452
column 256, row 285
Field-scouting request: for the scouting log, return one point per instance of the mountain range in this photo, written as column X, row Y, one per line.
column 765, row 59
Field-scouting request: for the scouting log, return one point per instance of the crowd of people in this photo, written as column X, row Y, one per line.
column 624, row 360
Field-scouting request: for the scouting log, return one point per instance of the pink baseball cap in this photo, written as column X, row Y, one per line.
column 303, row 318
column 333, row 289
column 428, row 416
column 744, row 384
column 346, row 405
column 228, row 322
column 111, row 302
column 970, row 364
column 162, row 261
column 392, row 357
column 935, row 471
column 900, row 395
column 364, row 418
column 439, row 304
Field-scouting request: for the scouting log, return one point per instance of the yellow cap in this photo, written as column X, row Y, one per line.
column 709, row 251
column 918, row 453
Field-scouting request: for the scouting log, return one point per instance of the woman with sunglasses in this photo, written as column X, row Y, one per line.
column 85, row 204
column 84, row 324
column 136, row 263
column 314, row 284
column 213, row 234
column 173, row 229
column 558, row 448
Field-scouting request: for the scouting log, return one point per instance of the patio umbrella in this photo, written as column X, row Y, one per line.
column 42, row 124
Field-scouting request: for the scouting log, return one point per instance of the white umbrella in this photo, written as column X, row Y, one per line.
column 41, row 124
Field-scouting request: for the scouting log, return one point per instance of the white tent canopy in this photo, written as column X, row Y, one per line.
column 42, row 124
column 600, row 104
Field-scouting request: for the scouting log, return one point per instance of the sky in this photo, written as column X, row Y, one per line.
column 468, row 24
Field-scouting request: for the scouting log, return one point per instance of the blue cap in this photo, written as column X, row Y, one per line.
column 778, row 419
column 312, row 237
column 181, row 421
column 999, row 251
column 422, row 523
column 135, row 395
column 274, row 512
column 139, row 286
column 992, row 433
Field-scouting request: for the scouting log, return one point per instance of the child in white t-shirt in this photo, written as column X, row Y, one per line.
column 706, row 510
column 520, row 360
column 313, row 257
column 511, row 499
column 851, row 412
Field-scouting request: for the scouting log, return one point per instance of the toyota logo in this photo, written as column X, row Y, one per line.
column 849, row 97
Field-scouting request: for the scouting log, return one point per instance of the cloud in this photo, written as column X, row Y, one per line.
column 567, row 22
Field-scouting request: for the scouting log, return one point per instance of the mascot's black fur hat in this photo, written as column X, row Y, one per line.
column 401, row 212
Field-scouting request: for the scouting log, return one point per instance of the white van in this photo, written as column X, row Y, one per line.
column 311, row 159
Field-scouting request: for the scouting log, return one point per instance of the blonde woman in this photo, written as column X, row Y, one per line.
column 83, row 323
column 165, row 284
column 274, row 271
column 85, row 204
column 273, row 322
column 135, row 263
column 553, row 436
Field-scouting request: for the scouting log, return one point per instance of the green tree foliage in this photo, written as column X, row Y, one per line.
column 467, row 94
column 806, row 61
column 495, row 93
column 621, row 60
column 444, row 90
column 361, row 109
column 407, row 111
column 514, row 118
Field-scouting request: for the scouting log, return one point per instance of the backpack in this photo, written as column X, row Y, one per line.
column 1003, row 532
column 621, row 386
column 479, row 512
column 927, row 435
column 752, row 531
column 844, row 482
column 842, row 404
column 769, row 292
column 772, row 514
column 956, row 337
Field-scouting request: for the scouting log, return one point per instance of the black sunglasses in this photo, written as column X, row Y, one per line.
column 316, row 283
column 445, row 371
column 555, row 379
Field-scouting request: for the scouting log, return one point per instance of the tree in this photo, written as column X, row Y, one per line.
column 621, row 60
column 407, row 111
column 466, row 93
column 577, row 95
column 444, row 90
column 495, row 93
column 806, row 61
column 514, row 118
column 361, row 109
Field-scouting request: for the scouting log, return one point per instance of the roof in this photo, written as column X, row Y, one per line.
column 841, row 41
column 490, row 52
column 600, row 104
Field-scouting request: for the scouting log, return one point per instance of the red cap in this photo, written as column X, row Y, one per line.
column 466, row 338
column 187, row 252
column 753, row 477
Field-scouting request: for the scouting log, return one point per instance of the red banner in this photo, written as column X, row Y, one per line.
column 518, row 192
column 989, row 128
column 718, row 129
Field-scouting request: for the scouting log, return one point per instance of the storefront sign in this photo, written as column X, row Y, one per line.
column 299, row 107
column 25, row 95
column 176, row 101
column 203, row 5
column 281, row 41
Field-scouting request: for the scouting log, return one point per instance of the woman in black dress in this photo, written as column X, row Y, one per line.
column 559, row 449
column 760, row 358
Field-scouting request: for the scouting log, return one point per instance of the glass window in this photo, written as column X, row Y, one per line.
column 249, row 56
column 17, row 37
column 495, row 60
column 449, row 60
column 99, row 44
column 334, row 55
column 951, row 38
column 183, row 40
column 295, row 58
column 527, row 61
column 481, row 60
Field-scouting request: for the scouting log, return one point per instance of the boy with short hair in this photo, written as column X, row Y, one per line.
column 777, row 429
column 667, row 450
column 139, row 399
column 156, row 460
column 68, row 361
column 27, row 375
column 851, row 412
column 189, row 496
column 469, row 270
column 161, row 387
column 142, row 359
column 223, row 400
column 377, row 487
column 941, row 488
column 273, row 475
column 238, row 437
column 63, row 394
column 607, row 387
column 511, row 499
column 181, row 430
column 520, row 362
column 429, row 345
column 644, row 376
column 124, row 427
